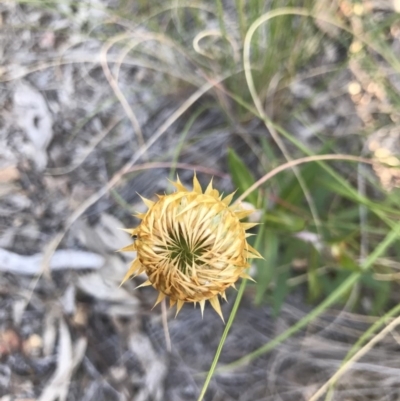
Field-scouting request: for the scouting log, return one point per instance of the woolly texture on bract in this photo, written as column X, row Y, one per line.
column 192, row 245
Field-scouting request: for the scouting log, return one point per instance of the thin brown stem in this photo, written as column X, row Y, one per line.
column 164, row 317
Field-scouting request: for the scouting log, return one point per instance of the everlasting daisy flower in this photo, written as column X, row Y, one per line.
column 192, row 245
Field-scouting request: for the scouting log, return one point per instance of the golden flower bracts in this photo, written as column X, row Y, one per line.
column 192, row 245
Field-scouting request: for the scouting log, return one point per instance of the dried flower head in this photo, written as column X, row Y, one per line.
column 192, row 245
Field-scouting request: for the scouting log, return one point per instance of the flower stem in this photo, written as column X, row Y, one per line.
column 228, row 325
column 223, row 338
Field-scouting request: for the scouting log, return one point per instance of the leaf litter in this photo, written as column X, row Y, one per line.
column 74, row 334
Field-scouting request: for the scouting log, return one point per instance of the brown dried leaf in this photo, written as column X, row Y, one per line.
column 9, row 342
column 9, row 174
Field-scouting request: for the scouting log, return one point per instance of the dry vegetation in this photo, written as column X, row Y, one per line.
column 101, row 100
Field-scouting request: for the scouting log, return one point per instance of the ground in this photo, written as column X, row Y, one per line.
column 87, row 123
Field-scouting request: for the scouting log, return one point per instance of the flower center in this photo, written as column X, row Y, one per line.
column 184, row 253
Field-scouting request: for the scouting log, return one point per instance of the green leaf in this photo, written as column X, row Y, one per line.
column 284, row 221
column 348, row 263
column 329, row 283
column 266, row 267
column 314, row 286
column 241, row 176
column 381, row 291
column 280, row 291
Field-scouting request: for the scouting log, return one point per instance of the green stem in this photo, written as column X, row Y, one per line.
column 228, row 325
column 223, row 338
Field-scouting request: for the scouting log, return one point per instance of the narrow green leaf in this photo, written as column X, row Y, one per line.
column 266, row 267
column 314, row 286
column 241, row 176
column 283, row 220
column 381, row 291
column 280, row 291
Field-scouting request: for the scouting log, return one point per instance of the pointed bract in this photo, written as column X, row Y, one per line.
column 178, row 185
column 247, row 277
column 128, row 248
column 247, row 226
column 131, row 231
column 214, row 301
column 228, row 199
column 196, row 185
column 135, row 265
column 254, row 253
column 243, row 213
column 149, row 203
column 140, row 216
column 160, row 298
column 145, row 284
column 202, row 305
column 179, row 305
